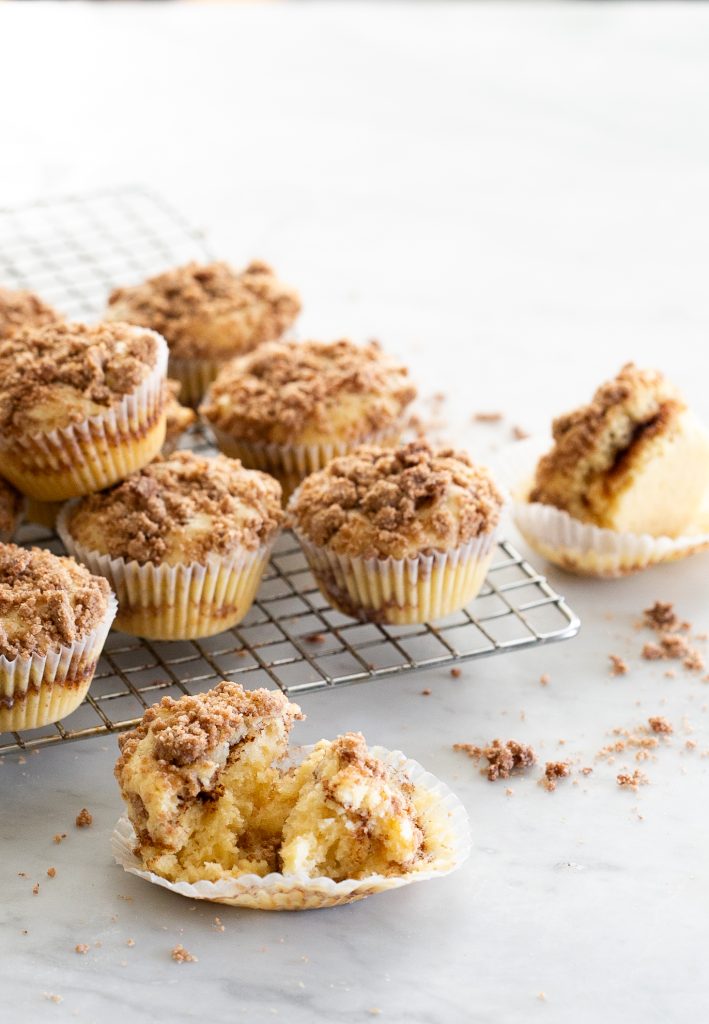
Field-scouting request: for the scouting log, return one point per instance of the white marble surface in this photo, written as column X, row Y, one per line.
column 514, row 198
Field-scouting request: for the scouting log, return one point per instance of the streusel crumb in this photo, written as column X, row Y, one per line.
column 503, row 758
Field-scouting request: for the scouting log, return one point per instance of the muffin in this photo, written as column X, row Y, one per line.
column 184, row 543
column 20, row 308
column 289, row 408
column 625, row 483
column 11, row 505
column 80, row 407
column 179, row 418
column 54, row 619
column 208, row 314
column 400, row 536
column 218, row 810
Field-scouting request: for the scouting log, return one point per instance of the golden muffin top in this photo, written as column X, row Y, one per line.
column 209, row 310
column 46, row 601
column 401, row 502
column 179, row 509
column 21, row 308
column 58, row 375
column 290, row 392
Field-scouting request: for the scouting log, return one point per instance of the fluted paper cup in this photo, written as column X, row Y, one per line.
column 447, row 832
column 36, row 690
column 175, row 602
column 97, row 452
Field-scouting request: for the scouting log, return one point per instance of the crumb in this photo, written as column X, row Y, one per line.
column 519, row 433
column 586, row 771
column 52, row 997
column 509, row 792
column 542, row 996
column 661, row 617
column 316, row 638
column 218, row 926
column 502, row 758
column 22, row 874
column 694, row 662
column 84, row 818
column 618, row 666
column 659, row 724
column 487, row 417
column 374, row 1010
column 35, row 889
column 181, row 956
column 554, row 770
column 544, row 679
column 456, row 673
column 652, row 652
column 52, row 872
column 670, row 674
column 632, row 781
column 690, row 744
column 425, row 693
column 81, row 948
column 58, row 837
column 128, row 899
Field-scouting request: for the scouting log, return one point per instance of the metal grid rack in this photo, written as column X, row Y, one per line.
column 72, row 251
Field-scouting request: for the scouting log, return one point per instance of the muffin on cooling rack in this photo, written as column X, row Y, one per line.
column 399, row 535
column 288, row 408
column 179, row 418
column 80, row 407
column 631, row 466
column 208, row 314
column 54, row 619
column 11, row 503
column 21, row 308
column 184, row 543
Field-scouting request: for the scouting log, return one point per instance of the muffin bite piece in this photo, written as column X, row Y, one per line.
column 398, row 535
column 636, row 459
column 54, row 619
column 80, row 407
column 184, row 543
column 20, row 308
column 208, row 313
column 179, row 418
column 288, row 407
column 11, row 503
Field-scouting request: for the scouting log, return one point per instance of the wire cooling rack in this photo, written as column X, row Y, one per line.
column 73, row 251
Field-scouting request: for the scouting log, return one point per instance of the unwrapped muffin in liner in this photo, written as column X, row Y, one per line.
column 39, row 689
column 439, row 807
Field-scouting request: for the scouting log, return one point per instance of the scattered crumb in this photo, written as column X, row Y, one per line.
column 694, row 662
column 652, row 652
column 509, row 792
column 632, row 781
column 374, row 1010
column 182, row 956
column 35, row 889
column 542, row 996
column 519, row 433
column 554, row 770
column 58, row 837
column 618, row 666
column 662, row 618
column 456, row 673
column 425, row 693
column 690, row 744
column 22, row 874
column 316, row 638
column 502, row 758
column 545, row 679
column 659, row 724
column 84, row 818
column 52, row 872
column 52, row 997
column 670, row 674
column 81, row 948
column 127, row 899
column 130, row 942
column 587, row 771
column 218, row 926
column 487, row 417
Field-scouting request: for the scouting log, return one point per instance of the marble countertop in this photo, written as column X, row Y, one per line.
column 512, row 197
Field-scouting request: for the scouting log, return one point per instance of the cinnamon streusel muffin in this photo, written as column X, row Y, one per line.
column 184, row 543
column 179, row 418
column 217, row 806
column 80, row 407
column 54, row 619
column 208, row 314
column 10, row 510
column 400, row 536
column 288, row 407
column 20, row 308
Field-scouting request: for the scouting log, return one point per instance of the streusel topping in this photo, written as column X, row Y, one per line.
column 57, row 375
column 10, row 507
column 209, row 311
column 20, row 308
column 289, row 391
column 398, row 502
column 180, row 509
column 46, row 600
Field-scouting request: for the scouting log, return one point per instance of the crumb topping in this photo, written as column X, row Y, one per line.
column 205, row 310
column 285, row 389
column 553, row 771
column 593, row 445
column 180, row 509
column 20, row 308
column 503, row 758
column 82, row 369
column 379, row 502
column 84, row 818
column 45, row 601
column 10, row 508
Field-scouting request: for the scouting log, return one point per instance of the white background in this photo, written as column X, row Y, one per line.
column 513, row 198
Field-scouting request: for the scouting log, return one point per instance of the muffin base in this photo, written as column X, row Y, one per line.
column 40, row 689
column 402, row 591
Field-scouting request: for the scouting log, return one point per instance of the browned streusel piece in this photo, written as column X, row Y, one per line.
column 181, row 955
column 660, row 724
column 553, row 771
column 662, row 617
column 627, row 781
column 84, row 818
column 619, row 667
column 503, row 758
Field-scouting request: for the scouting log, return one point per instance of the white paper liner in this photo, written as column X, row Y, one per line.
column 40, row 677
column 175, row 602
column 298, row 892
column 401, row 591
column 582, row 547
column 96, row 452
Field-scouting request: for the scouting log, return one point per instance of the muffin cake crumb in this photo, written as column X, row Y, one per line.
column 182, row 956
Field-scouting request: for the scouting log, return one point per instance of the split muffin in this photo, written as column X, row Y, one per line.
column 208, row 313
column 288, row 408
column 11, row 504
column 184, row 543
column 400, row 535
column 80, row 407
column 21, row 308
column 54, row 619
